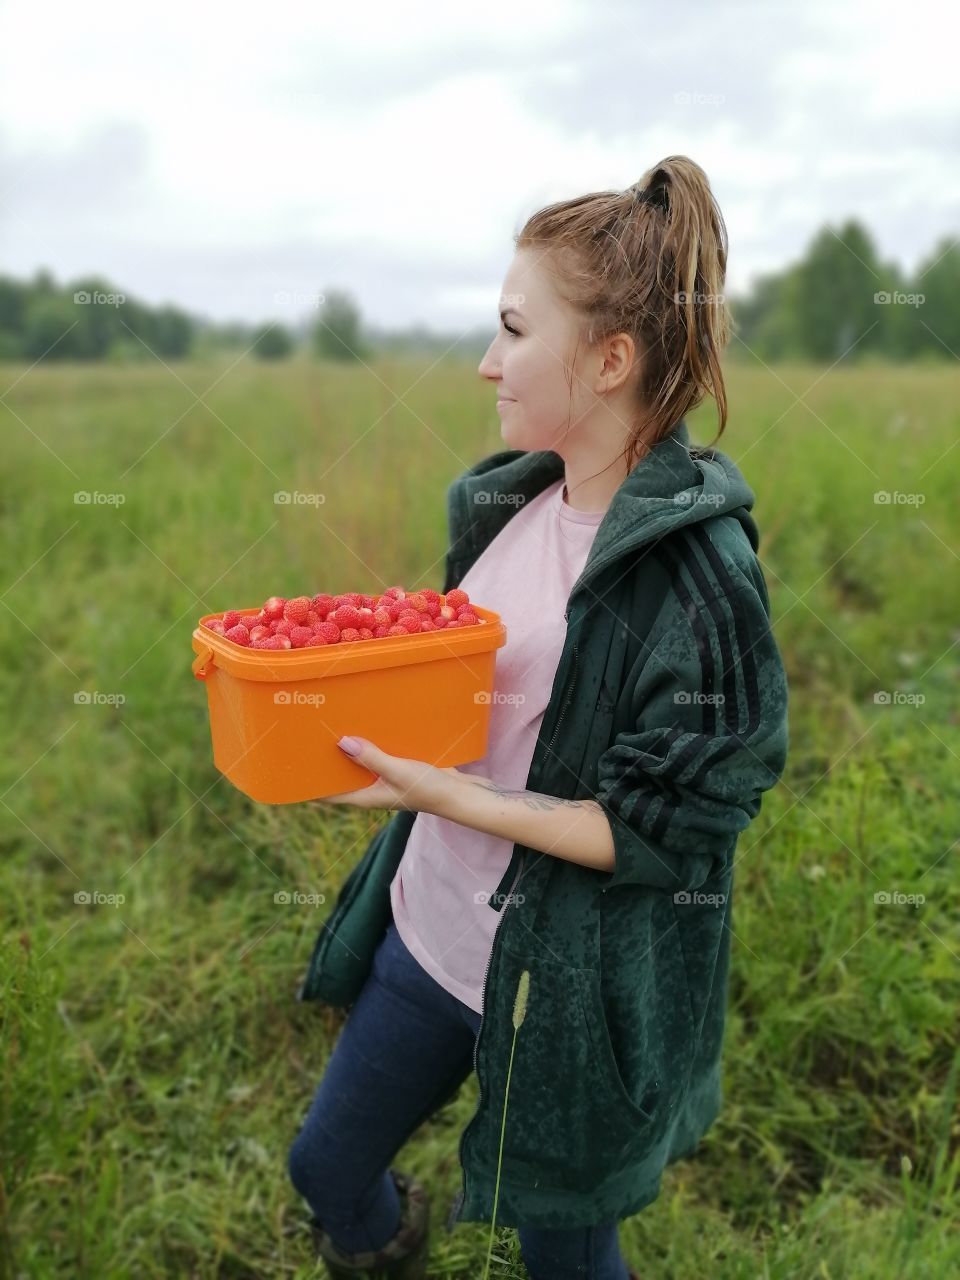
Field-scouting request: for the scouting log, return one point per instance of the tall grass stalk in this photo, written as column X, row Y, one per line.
column 519, row 1013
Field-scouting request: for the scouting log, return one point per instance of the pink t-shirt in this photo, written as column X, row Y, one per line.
column 526, row 575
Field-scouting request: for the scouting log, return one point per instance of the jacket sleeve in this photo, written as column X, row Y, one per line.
column 710, row 706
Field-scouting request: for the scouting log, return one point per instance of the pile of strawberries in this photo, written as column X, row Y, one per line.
column 308, row 621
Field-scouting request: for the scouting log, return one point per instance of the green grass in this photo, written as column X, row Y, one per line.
column 155, row 1063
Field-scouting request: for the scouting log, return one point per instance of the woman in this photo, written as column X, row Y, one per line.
column 639, row 714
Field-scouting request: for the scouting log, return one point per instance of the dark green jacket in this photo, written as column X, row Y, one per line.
column 669, row 707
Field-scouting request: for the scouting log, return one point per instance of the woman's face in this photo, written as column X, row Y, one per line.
column 537, row 332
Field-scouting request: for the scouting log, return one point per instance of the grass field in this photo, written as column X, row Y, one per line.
column 155, row 1063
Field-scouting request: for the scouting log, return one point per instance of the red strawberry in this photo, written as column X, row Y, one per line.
column 448, row 612
column 323, row 604
column 397, row 630
column 300, row 637
column 349, row 633
column 366, row 633
column 456, row 598
column 284, row 627
column 430, row 594
column 345, row 615
column 427, row 625
column 408, row 622
column 383, row 616
column 259, row 633
column 239, row 635
column 273, row 607
column 230, row 619
column 381, row 631
column 269, row 642
column 330, row 632
column 215, row 626
column 466, row 618
column 296, row 610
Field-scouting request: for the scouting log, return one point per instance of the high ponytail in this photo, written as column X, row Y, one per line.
column 649, row 261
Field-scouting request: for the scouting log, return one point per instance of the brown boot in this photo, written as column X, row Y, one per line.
column 404, row 1257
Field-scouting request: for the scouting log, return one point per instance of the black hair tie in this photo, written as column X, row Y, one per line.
column 658, row 197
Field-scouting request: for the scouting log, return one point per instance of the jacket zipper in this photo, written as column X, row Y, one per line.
column 454, row 1213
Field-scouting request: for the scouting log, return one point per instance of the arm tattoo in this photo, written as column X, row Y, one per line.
column 532, row 799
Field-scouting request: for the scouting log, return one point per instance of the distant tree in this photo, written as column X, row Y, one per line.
column 272, row 342
column 935, row 323
column 834, row 295
column 173, row 331
column 13, row 302
column 764, row 324
column 52, row 329
column 97, row 311
column 337, row 334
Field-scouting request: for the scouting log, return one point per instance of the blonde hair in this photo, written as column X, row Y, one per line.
column 649, row 261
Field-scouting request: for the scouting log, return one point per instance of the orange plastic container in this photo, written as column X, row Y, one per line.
column 276, row 715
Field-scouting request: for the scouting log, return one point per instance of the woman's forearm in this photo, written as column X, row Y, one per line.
column 576, row 830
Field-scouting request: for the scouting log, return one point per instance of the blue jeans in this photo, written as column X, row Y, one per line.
column 404, row 1050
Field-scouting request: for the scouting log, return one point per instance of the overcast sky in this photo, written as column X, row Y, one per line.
column 219, row 160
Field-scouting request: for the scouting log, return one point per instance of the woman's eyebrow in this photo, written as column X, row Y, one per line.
column 510, row 311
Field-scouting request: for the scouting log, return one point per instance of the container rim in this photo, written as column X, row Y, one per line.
column 343, row 659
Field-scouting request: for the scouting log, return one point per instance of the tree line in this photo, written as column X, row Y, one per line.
column 839, row 301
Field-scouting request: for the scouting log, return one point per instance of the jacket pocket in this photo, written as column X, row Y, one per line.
column 567, row 1110
column 640, row 1110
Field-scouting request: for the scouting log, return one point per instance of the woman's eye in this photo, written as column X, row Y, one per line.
column 514, row 332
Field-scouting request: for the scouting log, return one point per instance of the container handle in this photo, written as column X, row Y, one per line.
column 202, row 662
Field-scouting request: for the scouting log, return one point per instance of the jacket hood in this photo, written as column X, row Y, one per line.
column 673, row 486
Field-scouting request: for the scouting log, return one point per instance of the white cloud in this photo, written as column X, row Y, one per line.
column 394, row 150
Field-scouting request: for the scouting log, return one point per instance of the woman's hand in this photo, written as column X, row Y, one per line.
column 401, row 784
